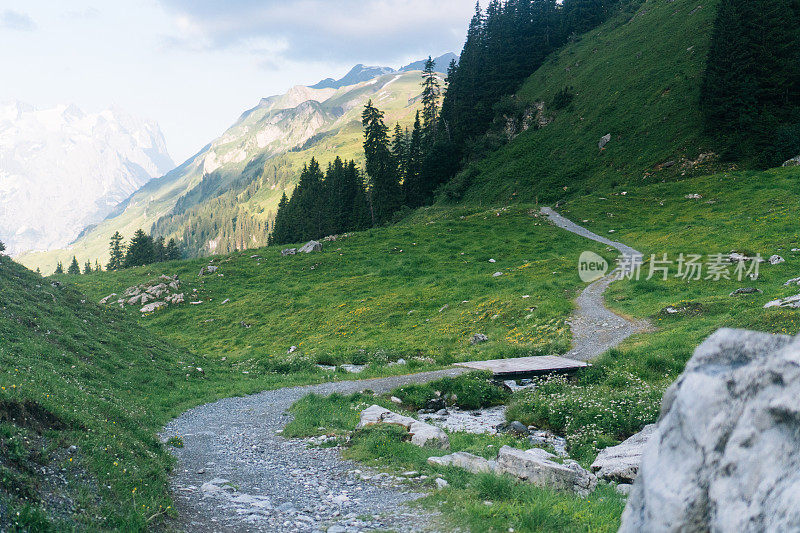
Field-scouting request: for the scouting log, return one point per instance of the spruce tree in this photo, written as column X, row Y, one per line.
column 399, row 149
column 140, row 250
column 413, row 189
column 74, row 268
column 59, row 268
column 159, row 250
column 382, row 172
column 2, row 247
column 431, row 91
column 117, row 252
column 97, row 267
column 172, row 252
column 87, row 268
column 280, row 226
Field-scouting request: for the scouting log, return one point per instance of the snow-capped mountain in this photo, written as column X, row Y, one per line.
column 62, row 170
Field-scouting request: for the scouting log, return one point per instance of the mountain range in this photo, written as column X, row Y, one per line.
column 261, row 153
column 62, row 169
column 361, row 73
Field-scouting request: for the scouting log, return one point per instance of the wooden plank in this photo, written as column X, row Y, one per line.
column 536, row 365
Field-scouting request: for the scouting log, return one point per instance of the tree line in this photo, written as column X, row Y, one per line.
column 141, row 250
column 751, row 89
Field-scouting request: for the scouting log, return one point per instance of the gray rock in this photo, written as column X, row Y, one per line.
column 497, row 274
column 620, row 463
column 536, row 466
column 746, row 290
column 725, row 453
column 793, row 162
column 789, row 301
column 353, row 369
column 208, row 269
column 467, row 461
column 514, row 428
column 311, row 246
column 478, row 338
column 153, row 307
column 793, row 281
column 422, row 434
column 107, row 298
column 288, row 251
column 776, row 260
column 604, row 140
column 441, row 483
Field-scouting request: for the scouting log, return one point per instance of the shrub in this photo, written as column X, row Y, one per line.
column 563, row 98
column 472, row 391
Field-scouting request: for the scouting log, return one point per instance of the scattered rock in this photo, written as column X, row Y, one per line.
column 736, row 257
column 444, row 308
column 793, row 162
column 288, row 251
column 396, row 400
column 793, row 281
column 311, row 246
column 422, row 434
column 746, row 290
column 153, row 307
column 776, row 260
column 514, row 428
column 694, row 196
column 441, row 483
column 604, row 140
column 492, row 261
column 469, row 462
column 107, row 298
column 792, row 302
column 620, row 463
column 435, row 404
column 226, row 300
column 208, row 269
column 497, row 274
column 478, row 338
column 724, row 455
column 536, row 466
column 293, row 349
column 353, row 369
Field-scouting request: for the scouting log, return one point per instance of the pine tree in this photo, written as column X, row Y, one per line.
column 59, row 268
column 413, row 188
column 87, row 268
column 116, row 251
column 399, row 150
column 2, row 247
column 159, row 251
column 97, row 267
column 431, row 91
column 382, row 172
column 172, row 252
column 280, row 226
column 140, row 250
column 74, row 268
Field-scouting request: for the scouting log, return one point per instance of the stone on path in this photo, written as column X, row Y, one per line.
column 536, row 466
column 620, row 463
column 422, row 433
column 725, row 455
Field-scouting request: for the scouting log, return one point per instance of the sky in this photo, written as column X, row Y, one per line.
column 194, row 66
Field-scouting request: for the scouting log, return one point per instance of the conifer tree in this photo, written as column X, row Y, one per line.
column 59, row 268
column 159, row 250
column 2, row 247
column 140, row 250
column 281, row 225
column 116, row 251
column 399, row 150
column 431, row 91
column 97, row 267
column 382, row 172
column 413, row 188
column 74, row 268
column 87, row 268
column 172, row 252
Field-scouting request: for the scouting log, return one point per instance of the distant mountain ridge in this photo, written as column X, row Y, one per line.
column 62, row 169
column 361, row 73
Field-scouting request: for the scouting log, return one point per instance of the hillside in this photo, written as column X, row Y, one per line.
column 244, row 172
column 637, row 78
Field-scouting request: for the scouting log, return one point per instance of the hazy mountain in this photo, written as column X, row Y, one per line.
column 441, row 63
column 357, row 74
column 62, row 169
column 255, row 160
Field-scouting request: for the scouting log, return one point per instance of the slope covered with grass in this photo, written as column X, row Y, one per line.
column 637, row 78
column 417, row 290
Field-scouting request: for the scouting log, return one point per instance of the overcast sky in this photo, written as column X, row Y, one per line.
column 194, row 65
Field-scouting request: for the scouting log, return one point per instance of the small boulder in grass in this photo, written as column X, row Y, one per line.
column 746, row 290
column 478, row 338
column 776, row 260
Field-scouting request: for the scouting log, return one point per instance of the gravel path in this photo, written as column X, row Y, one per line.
column 236, row 473
column 595, row 328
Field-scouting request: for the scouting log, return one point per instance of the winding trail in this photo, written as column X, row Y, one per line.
column 236, row 473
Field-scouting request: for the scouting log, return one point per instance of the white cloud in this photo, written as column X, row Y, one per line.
column 14, row 20
column 325, row 30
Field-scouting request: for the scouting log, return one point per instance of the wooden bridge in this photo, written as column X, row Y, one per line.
column 526, row 366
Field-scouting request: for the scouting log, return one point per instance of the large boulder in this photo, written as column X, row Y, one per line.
column 467, row 461
column 620, row 463
column 537, row 466
column 311, row 246
column 153, row 307
column 725, row 455
column 208, row 269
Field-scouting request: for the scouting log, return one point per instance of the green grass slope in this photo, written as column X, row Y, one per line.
column 419, row 289
column 636, row 78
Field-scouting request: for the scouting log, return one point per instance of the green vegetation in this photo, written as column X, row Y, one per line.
column 636, row 77
column 468, row 391
column 478, row 503
column 749, row 212
column 417, row 290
